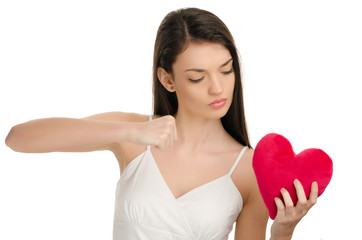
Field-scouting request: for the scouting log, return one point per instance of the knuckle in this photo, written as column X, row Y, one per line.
column 303, row 203
column 281, row 208
column 170, row 118
column 289, row 206
column 313, row 201
column 166, row 132
column 170, row 122
column 162, row 138
column 302, row 213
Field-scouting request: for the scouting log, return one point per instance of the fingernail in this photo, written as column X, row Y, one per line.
column 296, row 181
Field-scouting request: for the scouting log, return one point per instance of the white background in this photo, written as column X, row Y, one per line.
column 302, row 78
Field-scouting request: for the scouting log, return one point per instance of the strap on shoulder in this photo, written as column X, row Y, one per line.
column 237, row 160
column 149, row 119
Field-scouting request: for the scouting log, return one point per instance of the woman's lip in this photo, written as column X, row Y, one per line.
column 218, row 100
column 218, row 103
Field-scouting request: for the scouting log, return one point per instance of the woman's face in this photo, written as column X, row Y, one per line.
column 204, row 80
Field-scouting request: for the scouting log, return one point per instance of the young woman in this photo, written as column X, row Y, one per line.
column 186, row 171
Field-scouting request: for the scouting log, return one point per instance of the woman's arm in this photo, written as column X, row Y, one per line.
column 252, row 221
column 65, row 135
column 97, row 132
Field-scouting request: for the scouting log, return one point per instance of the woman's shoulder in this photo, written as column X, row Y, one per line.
column 236, row 146
column 244, row 174
column 119, row 117
column 246, row 165
column 248, row 157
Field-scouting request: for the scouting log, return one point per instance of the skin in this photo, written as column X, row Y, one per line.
column 190, row 148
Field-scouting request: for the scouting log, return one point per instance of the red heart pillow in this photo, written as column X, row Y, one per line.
column 276, row 166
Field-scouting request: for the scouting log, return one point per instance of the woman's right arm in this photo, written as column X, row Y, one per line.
column 98, row 132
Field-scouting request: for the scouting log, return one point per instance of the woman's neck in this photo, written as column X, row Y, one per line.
column 197, row 132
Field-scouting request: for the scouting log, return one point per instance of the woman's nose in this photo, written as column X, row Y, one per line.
column 215, row 87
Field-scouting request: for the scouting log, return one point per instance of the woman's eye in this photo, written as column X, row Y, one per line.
column 228, row 72
column 196, row 80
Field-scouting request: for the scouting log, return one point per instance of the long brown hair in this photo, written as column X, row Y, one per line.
column 179, row 28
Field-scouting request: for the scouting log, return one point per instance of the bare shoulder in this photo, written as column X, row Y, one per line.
column 119, row 117
column 250, row 178
column 245, row 166
column 248, row 157
column 244, row 176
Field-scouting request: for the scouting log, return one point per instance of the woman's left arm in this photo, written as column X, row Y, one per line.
column 252, row 220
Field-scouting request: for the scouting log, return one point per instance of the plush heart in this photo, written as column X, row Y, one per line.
column 276, row 166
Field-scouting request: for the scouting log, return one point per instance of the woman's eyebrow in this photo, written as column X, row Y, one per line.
column 203, row 70
column 195, row 70
column 226, row 63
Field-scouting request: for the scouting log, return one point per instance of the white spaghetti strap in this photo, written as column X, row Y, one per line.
column 149, row 119
column 237, row 160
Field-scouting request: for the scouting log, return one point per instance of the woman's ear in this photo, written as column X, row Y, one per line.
column 165, row 79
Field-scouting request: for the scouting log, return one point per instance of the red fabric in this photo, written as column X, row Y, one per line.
column 276, row 166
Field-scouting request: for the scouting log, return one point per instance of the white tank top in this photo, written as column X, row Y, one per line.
column 145, row 208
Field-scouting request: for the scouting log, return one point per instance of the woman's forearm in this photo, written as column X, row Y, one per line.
column 67, row 135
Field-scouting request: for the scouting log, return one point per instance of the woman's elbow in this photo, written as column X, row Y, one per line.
column 13, row 139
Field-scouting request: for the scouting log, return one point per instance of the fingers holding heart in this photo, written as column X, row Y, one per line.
column 285, row 208
column 280, row 206
column 287, row 212
column 304, row 204
column 289, row 206
column 313, row 194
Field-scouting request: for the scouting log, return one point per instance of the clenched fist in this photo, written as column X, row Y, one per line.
column 160, row 132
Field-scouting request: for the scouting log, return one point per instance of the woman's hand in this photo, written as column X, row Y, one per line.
column 289, row 215
column 160, row 132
